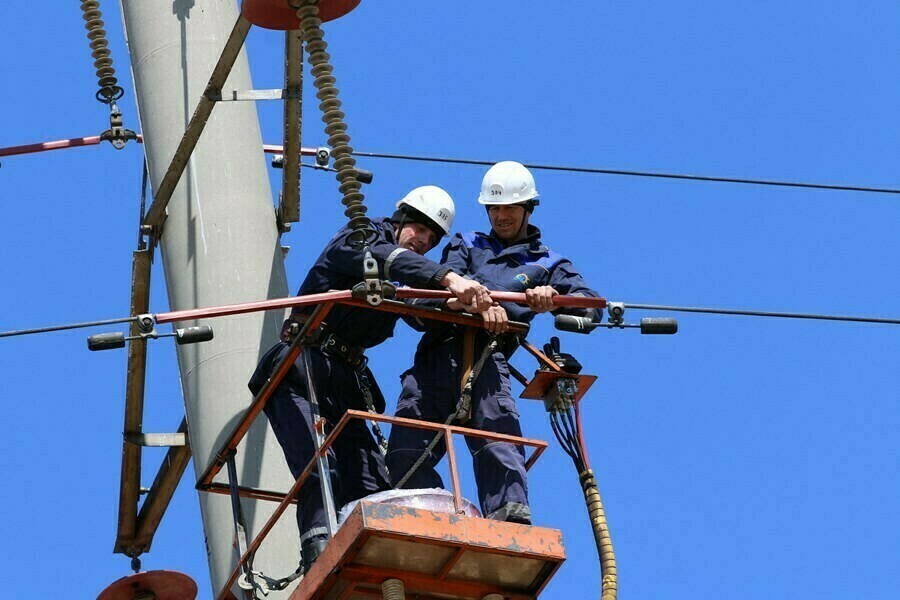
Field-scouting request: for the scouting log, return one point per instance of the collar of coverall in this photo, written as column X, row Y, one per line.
column 531, row 242
column 386, row 225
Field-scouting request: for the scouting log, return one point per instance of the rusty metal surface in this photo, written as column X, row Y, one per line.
column 436, row 555
column 191, row 314
column 289, row 206
column 454, row 472
column 455, row 429
column 403, row 554
column 542, row 358
column 241, row 429
column 245, row 492
column 165, row 585
column 280, row 15
column 156, row 213
column 161, row 492
column 544, row 380
column 423, row 586
column 286, row 500
column 414, row 527
column 339, row 551
column 506, row 572
column 130, row 478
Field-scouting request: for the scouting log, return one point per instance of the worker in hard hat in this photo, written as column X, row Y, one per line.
column 339, row 369
column 512, row 257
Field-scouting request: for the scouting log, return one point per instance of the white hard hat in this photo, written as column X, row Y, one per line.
column 434, row 203
column 507, row 182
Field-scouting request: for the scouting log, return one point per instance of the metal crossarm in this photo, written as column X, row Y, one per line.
column 262, row 397
column 289, row 207
column 156, row 214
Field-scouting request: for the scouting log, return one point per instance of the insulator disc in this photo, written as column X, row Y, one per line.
column 277, row 14
column 165, row 585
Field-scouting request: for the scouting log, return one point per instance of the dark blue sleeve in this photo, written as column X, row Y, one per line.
column 394, row 263
column 566, row 280
column 455, row 257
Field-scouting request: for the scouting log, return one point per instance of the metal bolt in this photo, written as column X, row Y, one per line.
column 322, row 156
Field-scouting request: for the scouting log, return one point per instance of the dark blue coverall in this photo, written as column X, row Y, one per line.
column 356, row 464
column 431, row 388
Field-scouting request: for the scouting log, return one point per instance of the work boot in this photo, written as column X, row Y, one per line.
column 519, row 520
column 310, row 550
column 512, row 512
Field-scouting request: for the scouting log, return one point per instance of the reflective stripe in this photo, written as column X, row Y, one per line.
column 390, row 261
column 313, row 532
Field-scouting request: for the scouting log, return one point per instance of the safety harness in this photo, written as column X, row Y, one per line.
column 334, row 347
column 463, row 410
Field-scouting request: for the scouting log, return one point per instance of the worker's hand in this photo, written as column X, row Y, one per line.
column 540, row 299
column 495, row 319
column 474, row 297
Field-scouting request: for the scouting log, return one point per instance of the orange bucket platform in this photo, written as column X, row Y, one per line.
column 435, row 555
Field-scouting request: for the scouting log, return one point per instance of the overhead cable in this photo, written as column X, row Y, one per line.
column 65, row 327
column 763, row 313
column 276, row 149
column 655, row 174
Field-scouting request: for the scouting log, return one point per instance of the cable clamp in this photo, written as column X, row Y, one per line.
column 117, row 134
column 372, row 285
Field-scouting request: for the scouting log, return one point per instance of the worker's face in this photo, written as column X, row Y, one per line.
column 509, row 221
column 417, row 237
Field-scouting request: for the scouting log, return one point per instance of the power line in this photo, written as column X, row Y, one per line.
column 64, row 327
column 762, row 313
column 654, row 174
column 271, row 148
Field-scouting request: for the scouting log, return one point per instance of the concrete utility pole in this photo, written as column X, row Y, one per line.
column 219, row 246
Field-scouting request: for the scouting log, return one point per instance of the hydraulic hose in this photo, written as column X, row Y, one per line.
column 601, row 535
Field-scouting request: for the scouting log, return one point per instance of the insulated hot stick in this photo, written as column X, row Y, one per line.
column 513, row 297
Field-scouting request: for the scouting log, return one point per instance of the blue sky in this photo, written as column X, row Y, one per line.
column 740, row 458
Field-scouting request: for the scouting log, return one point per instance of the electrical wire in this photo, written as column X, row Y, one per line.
column 272, row 148
column 65, row 327
column 653, row 174
column 762, row 313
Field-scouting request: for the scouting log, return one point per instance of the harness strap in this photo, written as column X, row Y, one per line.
column 463, row 407
column 365, row 385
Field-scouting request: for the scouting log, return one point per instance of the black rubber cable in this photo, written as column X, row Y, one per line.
column 653, row 174
column 64, row 327
column 762, row 313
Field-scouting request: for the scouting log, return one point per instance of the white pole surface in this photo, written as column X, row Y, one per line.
column 219, row 246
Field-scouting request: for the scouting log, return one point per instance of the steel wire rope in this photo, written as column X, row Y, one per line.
column 762, row 313
column 95, row 140
column 630, row 173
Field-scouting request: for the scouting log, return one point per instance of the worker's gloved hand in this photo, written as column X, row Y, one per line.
column 495, row 319
column 474, row 296
column 540, row 299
